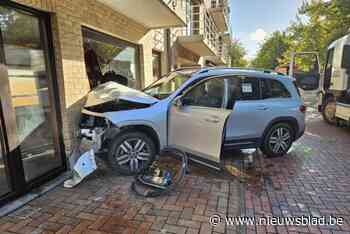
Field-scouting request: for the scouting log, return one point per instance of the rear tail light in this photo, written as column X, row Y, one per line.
column 303, row 108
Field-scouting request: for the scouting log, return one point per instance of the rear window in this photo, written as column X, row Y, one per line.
column 273, row 89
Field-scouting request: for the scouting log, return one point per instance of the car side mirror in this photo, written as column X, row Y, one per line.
column 186, row 101
column 178, row 102
column 183, row 101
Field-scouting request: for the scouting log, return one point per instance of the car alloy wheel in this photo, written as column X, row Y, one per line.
column 133, row 153
column 280, row 140
column 130, row 152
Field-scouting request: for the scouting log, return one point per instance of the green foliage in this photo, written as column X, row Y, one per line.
column 271, row 51
column 236, row 53
column 318, row 24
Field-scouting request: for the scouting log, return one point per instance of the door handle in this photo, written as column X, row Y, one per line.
column 212, row 120
column 262, row 108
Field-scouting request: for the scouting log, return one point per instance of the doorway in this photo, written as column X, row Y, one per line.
column 31, row 149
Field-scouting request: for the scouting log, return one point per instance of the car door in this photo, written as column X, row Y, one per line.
column 250, row 113
column 197, row 120
column 305, row 68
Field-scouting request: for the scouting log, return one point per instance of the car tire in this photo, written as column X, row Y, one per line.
column 328, row 113
column 278, row 140
column 131, row 152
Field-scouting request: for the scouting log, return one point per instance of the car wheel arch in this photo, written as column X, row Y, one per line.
column 289, row 120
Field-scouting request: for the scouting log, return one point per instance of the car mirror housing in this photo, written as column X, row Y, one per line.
column 186, row 101
column 178, row 101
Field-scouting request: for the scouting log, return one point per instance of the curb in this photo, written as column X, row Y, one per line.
column 38, row 192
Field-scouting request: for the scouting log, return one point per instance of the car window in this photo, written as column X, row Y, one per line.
column 274, row 89
column 207, row 94
column 249, row 88
column 167, row 85
column 234, row 91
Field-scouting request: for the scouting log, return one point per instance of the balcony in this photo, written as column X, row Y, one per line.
column 153, row 14
column 221, row 57
column 201, row 33
column 226, row 37
column 223, row 53
column 219, row 10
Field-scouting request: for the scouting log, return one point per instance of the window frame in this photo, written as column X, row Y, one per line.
column 106, row 38
column 13, row 157
column 328, row 68
column 160, row 64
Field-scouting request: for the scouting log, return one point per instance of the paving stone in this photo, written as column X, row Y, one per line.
column 174, row 229
column 314, row 184
column 303, row 184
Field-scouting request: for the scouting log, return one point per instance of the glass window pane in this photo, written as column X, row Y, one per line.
column 110, row 62
column 207, row 94
column 249, row 88
column 274, row 89
column 28, row 78
column 156, row 62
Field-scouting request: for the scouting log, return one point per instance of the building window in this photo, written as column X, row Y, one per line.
column 157, row 64
column 110, row 59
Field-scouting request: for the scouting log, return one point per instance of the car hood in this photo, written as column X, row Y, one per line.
column 112, row 91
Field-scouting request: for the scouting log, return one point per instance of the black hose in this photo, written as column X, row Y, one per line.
column 155, row 192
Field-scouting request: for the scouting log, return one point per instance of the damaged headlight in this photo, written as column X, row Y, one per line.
column 91, row 121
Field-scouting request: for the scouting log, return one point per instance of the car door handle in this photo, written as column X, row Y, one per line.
column 212, row 120
column 262, row 108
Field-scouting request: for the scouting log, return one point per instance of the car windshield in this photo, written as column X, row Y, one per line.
column 164, row 87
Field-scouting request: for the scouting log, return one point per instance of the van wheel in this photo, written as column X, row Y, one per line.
column 278, row 140
column 131, row 152
column 328, row 113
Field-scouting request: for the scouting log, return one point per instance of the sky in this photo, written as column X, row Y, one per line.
column 253, row 20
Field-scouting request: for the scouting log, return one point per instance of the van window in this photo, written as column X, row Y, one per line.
column 346, row 57
column 328, row 69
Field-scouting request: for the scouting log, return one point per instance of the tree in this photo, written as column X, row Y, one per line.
column 271, row 51
column 317, row 25
column 236, row 53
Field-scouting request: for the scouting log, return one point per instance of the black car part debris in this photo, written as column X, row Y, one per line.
column 163, row 175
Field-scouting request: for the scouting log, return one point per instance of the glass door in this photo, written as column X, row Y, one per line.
column 30, row 120
column 4, row 183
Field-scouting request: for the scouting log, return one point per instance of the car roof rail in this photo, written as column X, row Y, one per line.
column 202, row 70
column 268, row 71
column 188, row 68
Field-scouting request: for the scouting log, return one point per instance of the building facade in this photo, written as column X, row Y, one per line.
column 52, row 52
column 203, row 41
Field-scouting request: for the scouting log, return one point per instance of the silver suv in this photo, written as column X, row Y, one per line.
column 201, row 111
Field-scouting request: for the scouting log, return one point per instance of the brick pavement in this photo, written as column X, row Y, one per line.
column 311, row 180
column 105, row 204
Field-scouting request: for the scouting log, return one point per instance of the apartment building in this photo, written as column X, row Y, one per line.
column 202, row 42
column 52, row 52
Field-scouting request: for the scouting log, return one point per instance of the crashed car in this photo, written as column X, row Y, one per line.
column 200, row 111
